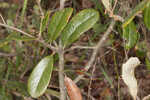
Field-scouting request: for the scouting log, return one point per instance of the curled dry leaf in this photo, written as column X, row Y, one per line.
column 129, row 77
column 72, row 89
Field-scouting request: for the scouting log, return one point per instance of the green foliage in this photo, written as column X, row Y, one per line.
column 19, row 37
column 130, row 35
column 147, row 16
column 23, row 11
column 57, row 23
column 79, row 24
column 141, row 49
column 44, row 21
column 19, row 86
column 98, row 28
column 147, row 61
column 2, row 62
column 53, row 93
column 40, row 77
column 140, row 7
column 4, row 5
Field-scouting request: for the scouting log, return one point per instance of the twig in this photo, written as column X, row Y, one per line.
column 62, row 4
column 42, row 13
column 27, row 34
column 42, row 16
column 23, row 12
column 90, row 83
column 61, row 63
column 47, row 45
column 2, row 19
column 16, row 29
column 80, row 47
column 114, row 5
column 7, row 55
column 91, row 97
column 98, row 46
column 61, row 76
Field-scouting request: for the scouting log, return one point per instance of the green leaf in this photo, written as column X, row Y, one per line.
column 2, row 67
column 147, row 16
column 19, row 37
column 58, row 21
column 3, row 42
column 40, row 77
column 140, row 7
column 130, row 35
column 44, row 21
column 79, row 24
column 14, row 36
column 147, row 61
column 53, row 93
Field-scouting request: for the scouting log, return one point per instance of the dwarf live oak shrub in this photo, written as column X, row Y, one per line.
column 67, row 32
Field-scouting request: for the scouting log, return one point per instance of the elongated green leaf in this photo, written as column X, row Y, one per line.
column 147, row 16
column 130, row 35
column 140, row 7
column 3, row 42
column 19, row 37
column 40, row 77
column 58, row 22
column 79, row 24
column 107, row 77
column 15, row 36
column 147, row 61
column 53, row 93
column 44, row 21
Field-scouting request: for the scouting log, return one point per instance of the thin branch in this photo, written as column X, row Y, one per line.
column 7, row 54
column 2, row 19
column 98, row 47
column 42, row 16
column 61, row 71
column 16, row 29
column 90, row 83
column 80, row 47
column 47, row 45
column 61, row 63
column 29, row 35
column 114, row 5
column 91, row 97
column 62, row 4
column 42, row 13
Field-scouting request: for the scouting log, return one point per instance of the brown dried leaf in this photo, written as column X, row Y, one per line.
column 72, row 89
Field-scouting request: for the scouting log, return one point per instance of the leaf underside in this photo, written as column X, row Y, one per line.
column 140, row 7
column 130, row 35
